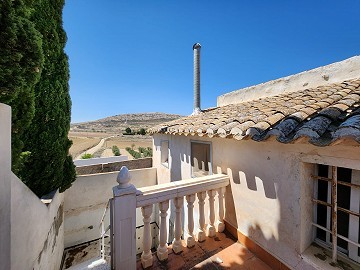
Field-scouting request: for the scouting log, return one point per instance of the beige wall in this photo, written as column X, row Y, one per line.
column 333, row 73
column 37, row 230
column 85, row 202
column 5, row 184
column 269, row 199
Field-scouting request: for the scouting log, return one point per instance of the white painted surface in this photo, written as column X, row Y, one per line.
column 37, row 230
column 5, row 185
column 95, row 161
column 85, row 202
column 333, row 73
column 124, row 227
column 270, row 195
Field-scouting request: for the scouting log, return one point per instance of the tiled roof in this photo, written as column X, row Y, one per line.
column 320, row 115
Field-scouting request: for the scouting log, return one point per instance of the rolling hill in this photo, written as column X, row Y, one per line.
column 118, row 123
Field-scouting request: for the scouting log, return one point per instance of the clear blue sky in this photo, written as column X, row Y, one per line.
column 136, row 56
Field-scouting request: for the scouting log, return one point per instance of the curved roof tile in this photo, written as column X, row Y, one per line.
column 320, row 116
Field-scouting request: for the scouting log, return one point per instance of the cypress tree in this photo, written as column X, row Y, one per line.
column 21, row 61
column 48, row 165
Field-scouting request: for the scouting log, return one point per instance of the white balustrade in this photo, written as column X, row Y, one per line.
column 190, row 239
column 211, row 229
column 162, row 251
column 201, row 235
column 220, row 226
column 176, row 244
column 127, row 199
column 146, row 256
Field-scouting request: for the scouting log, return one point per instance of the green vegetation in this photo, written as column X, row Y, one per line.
column 116, row 150
column 128, row 131
column 48, row 166
column 142, row 131
column 86, row 156
column 146, row 152
column 21, row 63
column 142, row 153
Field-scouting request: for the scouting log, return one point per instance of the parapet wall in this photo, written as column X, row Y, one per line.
column 37, row 229
column 86, row 199
column 115, row 166
column 336, row 72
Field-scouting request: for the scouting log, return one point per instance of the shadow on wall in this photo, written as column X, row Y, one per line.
column 263, row 229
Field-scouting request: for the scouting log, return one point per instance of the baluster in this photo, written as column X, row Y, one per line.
column 146, row 256
column 220, row 226
column 162, row 251
column 177, row 245
column 211, row 228
column 201, row 230
column 190, row 240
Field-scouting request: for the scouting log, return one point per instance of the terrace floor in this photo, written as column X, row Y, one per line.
column 220, row 252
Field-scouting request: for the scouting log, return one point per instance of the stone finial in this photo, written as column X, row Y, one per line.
column 124, row 177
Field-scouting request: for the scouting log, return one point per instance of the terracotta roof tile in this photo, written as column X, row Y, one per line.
column 320, row 116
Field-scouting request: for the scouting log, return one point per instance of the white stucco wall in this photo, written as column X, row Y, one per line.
column 269, row 199
column 333, row 73
column 37, row 229
column 95, row 161
column 85, row 202
column 5, row 184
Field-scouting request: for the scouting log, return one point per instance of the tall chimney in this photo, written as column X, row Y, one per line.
column 196, row 49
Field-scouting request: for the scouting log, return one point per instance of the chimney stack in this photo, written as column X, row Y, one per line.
column 196, row 49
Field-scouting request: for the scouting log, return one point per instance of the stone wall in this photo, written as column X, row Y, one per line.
column 116, row 166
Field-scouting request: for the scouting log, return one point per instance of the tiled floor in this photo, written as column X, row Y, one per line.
column 221, row 252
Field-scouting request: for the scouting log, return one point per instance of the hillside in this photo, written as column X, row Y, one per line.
column 118, row 123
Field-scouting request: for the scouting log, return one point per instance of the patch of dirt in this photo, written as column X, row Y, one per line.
column 81, row 144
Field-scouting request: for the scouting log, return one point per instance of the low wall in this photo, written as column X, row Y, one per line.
column 37, row 229
column 5, row 185
column 85, row 202
column 97, row 161
column 116, row 166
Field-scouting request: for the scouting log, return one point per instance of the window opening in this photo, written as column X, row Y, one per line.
column 336, row 210
column 200, row 159
column 165, row 153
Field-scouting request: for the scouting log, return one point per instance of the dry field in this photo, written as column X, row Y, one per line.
column 81, row 144
column 83, row 141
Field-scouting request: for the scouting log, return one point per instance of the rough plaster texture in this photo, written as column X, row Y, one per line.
column 5, row 185
column 116, row 166
column 336, row 72
column 37, row 230
column 85, row 202
column 269, row 199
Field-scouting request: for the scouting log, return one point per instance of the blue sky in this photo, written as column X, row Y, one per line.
column 136, row 56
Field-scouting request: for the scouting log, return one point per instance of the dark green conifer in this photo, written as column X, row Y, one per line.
column 21, row 60
column 48, row 165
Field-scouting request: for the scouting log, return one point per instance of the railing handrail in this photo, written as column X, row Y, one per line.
column 105, row 211
column 162, row 192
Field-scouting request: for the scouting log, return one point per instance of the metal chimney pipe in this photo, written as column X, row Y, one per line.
column 196, row 49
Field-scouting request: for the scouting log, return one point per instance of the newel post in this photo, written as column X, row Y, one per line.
column 124, row 222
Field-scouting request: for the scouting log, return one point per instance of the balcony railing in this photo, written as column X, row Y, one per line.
column 127, row 198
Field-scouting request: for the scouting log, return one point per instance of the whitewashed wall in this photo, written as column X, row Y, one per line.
column 85, row 202
column 95, row 161
column 37, row 229
column 269, row 199
column 5, row 184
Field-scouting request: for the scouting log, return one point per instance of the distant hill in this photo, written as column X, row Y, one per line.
column 118, row 123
